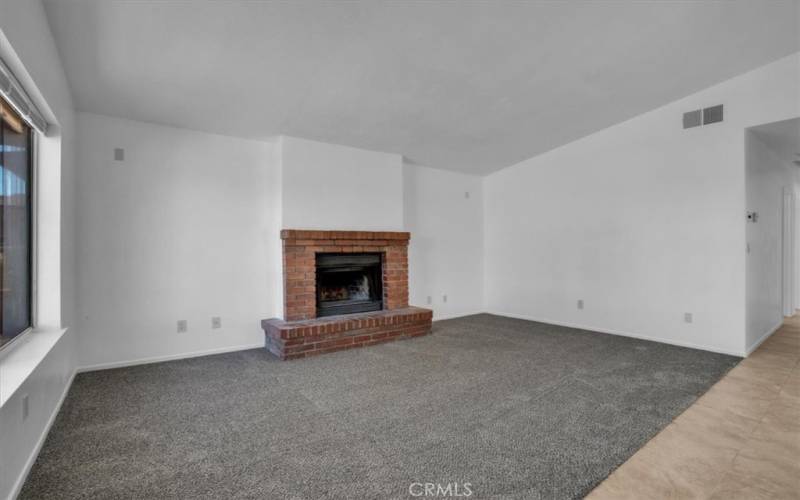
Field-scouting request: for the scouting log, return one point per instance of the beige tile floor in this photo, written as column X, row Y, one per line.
column 741, row 440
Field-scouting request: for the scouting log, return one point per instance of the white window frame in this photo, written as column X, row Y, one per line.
column 34, row 224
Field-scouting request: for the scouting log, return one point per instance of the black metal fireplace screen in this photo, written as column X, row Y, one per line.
column 349, row 283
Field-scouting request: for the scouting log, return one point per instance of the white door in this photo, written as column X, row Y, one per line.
column 787, row 271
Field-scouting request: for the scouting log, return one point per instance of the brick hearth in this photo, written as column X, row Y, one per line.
column 302, row 334
column 298, row 339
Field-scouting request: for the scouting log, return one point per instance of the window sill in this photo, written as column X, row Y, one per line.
column 21, row 359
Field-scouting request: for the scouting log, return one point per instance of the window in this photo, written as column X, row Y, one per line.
column 16, row 277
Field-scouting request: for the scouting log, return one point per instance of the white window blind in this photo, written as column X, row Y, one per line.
column 13, row 92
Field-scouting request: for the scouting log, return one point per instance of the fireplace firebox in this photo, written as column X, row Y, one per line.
column 348, row 283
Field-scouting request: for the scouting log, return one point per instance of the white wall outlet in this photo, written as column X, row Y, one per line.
column 25, row 407
column 429, row 300
column 687, row 317
column 444, row 298
column 466, row 194
column 183, row 326
column 580, row 303
column 119, row 154
column 216, row 323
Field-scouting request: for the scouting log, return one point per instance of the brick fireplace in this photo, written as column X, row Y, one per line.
column 343, row 289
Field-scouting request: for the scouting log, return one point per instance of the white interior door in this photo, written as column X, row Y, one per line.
column 787, row 271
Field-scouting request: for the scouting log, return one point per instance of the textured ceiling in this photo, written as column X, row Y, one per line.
column 469, row 86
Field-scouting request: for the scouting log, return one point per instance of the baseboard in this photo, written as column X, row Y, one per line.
column 456, row 315
column 620, row 333
column 764, row 337
column 209, row 352
column 42, row 438
column 170, row 357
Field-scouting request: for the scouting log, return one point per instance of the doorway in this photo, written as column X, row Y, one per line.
column 772, row 180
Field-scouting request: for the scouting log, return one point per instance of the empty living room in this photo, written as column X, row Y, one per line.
column 399, row 249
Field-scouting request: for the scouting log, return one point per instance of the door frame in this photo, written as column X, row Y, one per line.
column 788, row 251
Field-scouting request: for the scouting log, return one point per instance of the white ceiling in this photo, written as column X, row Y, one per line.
column 470, row 86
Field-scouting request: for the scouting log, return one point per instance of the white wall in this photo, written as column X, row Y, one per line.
column 327, row 186
column 644, row 221
column 446, row 249
column 26, row 44
column 186, row 227
column 766, row 177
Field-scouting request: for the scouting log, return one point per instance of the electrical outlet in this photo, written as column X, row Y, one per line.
column 430, row 299
column 216, row 323
column 466, row 194
column 687, row 317
column 580, row 303
column 444, row 298
column 119, row 154
column 25, row 407
column 183, row 326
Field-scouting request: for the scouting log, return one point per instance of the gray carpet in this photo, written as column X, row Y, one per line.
column 515, row 408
